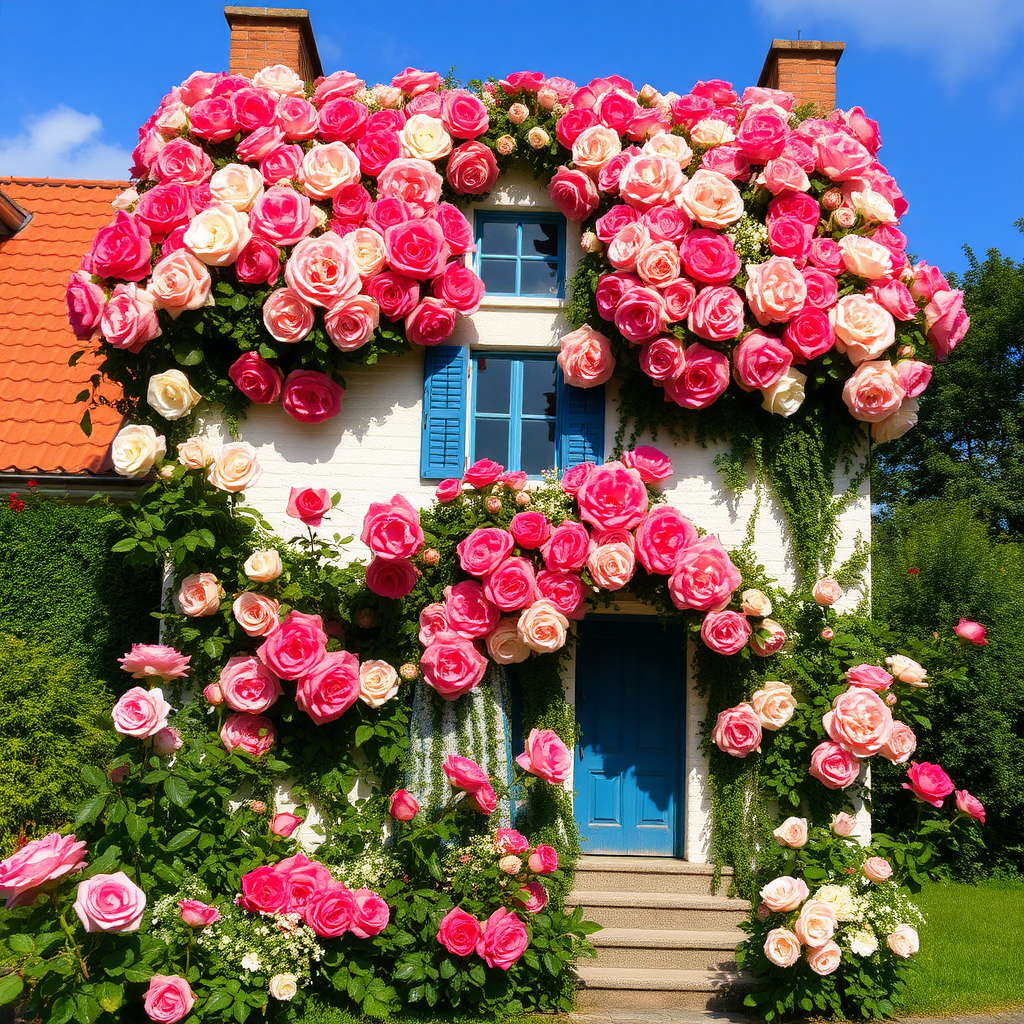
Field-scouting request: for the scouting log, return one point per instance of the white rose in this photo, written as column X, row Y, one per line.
column 180, row 282
column 787, row 395
column 898, row 423
column 197, row 452
column 328, row 169
column 367, row 248
column 250, row 962
column 906, row 670
column 668, row 145
column 125, row 200
column 283, row 986
column 171, row 394
column 774, row 705
column 589, row 242
column 712, row 132
column 171, row 120
column 218, row 235
column 135, row 449
column 378, row 683
column 424, row 138
column 841, row 900
column 263, row 566
column 235, row 468
column 237, row 185
column 504, row 644
column 387, row 96
column 280, row 79
column 864, row 328
column 710, row 198
column 865, row 257
column 863, row 942
column 873, row 207
column 542, row 627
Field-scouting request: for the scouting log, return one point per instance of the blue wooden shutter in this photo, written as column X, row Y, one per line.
column 445, row 378
column 580, row 425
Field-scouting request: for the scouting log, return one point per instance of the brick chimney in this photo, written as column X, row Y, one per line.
column 804, row 67
column 261, row 36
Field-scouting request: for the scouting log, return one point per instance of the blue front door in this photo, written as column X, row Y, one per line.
column 630, row 682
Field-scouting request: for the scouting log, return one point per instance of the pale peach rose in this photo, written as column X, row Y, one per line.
column 611, row 566
column 378, row 683
column 257, row 614
column 594, row 147
column 351, row 323
column 542, row 627
column 755, row 603
column 774, row 705
column 859, row 721
column 776, row 290
column 287, row 316
column 877, row 869
column 125, row 200
column 712, row 131
column 840, row 899
column 263, row 566
column 388, row 96
column 237, row 185
column 589, row 242
column 625, row 248
column 901, row 744
column 328, row 169
column 906, row 670
column 816, row 924
column 585, row 358
column 281, row 79
column 658, row 264
column 844, row 824
column 672, row 146
column 321, row 271
column 518, row 113
column 283, row 987
column 135, row 448
column 826, row 592
column 786, row 395
column 218, row 234
column 873, row 392
column 904, row 941
column 171, row 395
column 864, row 328
column 898, row 423
column 199, row 595
column 792, row 833
column 367, row 248
column 510, row 864
column 424, row 138
column 537, row 137
column 784, row 175
column 782, row 947
column 504, row 644
column 651, row 180
column 505, row 145
column 784, row 894
column 197, row 452
column 865, row 257
column 235, row 468
column 825, row 959
column 711, row 199
column 179, row 282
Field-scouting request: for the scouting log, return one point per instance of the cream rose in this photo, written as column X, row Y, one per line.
column 235, row 468
column 504, row 644
column 197, row 452
column 367, row 248
column 840, row 899
column 179, row 282
column 784, row 894
column 786, row 395
column 712, row 131
column 283, row 986
column 668, row 145
column 378, row 683
column 873, row 207
column 281, row 79
column 542, row 627
column 328, row 169
column 755, row 603
column 711, row 199
column 594, row 147
column 906, row 670
column 782, row 947
column 217, row 235
column 863, row 942
column 774, row 705
column 904, row 941
column 135, row 449
column 898, row 423
column 171, row 395
column 775, row 290
column 792, row 833
column 424, row 138
column 537, row 138
column 237, row 185
column 865, row 258
column 199, row 595
column 263, row 566
column 816, row 924
column 864, row 329
column 257, row 614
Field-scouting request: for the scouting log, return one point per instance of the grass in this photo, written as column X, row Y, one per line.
column 972, row 950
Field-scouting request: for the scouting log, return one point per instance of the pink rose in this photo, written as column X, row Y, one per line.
column 612, row 560
column 168, row 998
column 618, row 217
column 895, row 297
column 483, row 473
column 329, row 688
column 709, row 257
column 537, row 899
column 840, row 156
column 287, row 316
column 641, row 314
column 573, row 478
column 141, row 713
column 484, row 550
column 768, row 639
column 459, row 932
column 431, row 322
column 284, row 824
column 965, row 804
column 705, row 376
column 824, row 959
column 213, row 119
column 448, row 490
column 129, row 318
column 377, row 149
column 737, row 731
column 704, row 577
column 760, row 360
column 371, row 914
column 413, row 82
column 433, row 620
column 543, row 860
column 472, row 169
column 859, row 721
column 38, row 867
column 782, row 947
column 613, row 497
column 663, row 223
column 611, row 289
column 196, row 914
column 463, row 114
column 775, row 290
column 717, row 314
column 569, row 544
column 296, row 647
column 573, row 123
column 790, row 237
column 452, row 666
column 530, row 529
column 469, row 612
column 464, row 774
column 652, row 465
column 658, row 264
column 311, row 397
column 574, row 193
column 627, row 245
column 971, row 632
column 678, row 297
column 182, row 162
column 392, row 530
column 417, row 249
column 181, row 282
column 504, row 940
column 298, row 118
column 512, row 585
column 565, row 590
column 508, row 840
column 264, row 890
column 257, row 379
column 392, row 578
column 248, row 685
column 809, row 335
column 413, row 181
column 663, row 358
column 403, row 805
column 110, row 903
column 282, row 216
column 784, row 174
column 725, row 632
column 341, row 83
column 546, row 756
column 155, row 660
column 946, row 322
column 864, row 329
column 844, row 824
column 826, row 592
column 871, row 677
column 586, row 358
column 322, row 270
column 833, row 766
column 651, row 179
column 395, row 294
column 460, row 287
column 661, row 537
column 342, row 120
column 85, row 305
column 927, row 280
column 826, row 255
column 822, row 291
column 783, row 895
column 877, row 869
column 762, row 135
column 330, row 910
column 903, row 941
column 928, row 782
column 913, row 376
column 309, row 504
column 873, row 392
column 252, row 734
column 164, row 208
column 458, row 232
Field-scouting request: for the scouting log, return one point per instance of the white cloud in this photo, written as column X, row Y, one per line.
column 963, row 37
column 62, row 143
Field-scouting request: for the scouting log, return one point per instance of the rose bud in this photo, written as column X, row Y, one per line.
column 284, row 824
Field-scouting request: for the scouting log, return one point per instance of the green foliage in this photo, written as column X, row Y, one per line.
column 54, row 717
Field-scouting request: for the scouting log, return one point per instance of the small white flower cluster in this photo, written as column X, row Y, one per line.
column 749, row 239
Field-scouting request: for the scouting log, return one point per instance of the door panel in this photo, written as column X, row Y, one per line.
column 630, row 681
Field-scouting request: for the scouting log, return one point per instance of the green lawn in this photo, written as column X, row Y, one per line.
column 972, row 950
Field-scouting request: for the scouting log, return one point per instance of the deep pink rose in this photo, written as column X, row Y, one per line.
column 537, row 899
column 417, row 249
column 618, row 217
column 611, row 289
column 330, row 911
column 928, row 782
column 183, row 162
column 574, row 193
column 282, row 216
column 413, row 82
column 709, row 257
column 725, row 632
column 971, row 632
column 391, row 577
column 459, row 287
column 469, row 611
column 121, row 249
column 678, row 297
column 663, row 358
column 833, row 766
column 213, row 119
column 689, row 109
column 664, row 223
column 257, row 379
column 403, row 806
column 252, row 734
column 573, row 123
column 530, row 529
column 371, row 914
column 259, row 262
column 662, row 537
column 459, row 932
column 870, row 676
column 448, row 490
column 330, row 688
column 504, row 940
column 927, row 281
column 840, row 156
column 253, row 108
column 297, row 117
column 196, row 914
column 485, row 549
column 392, row 529
column 728, row 160
column 342, row 120
column 704, row 577
column 264, row 890
column 376, row 149
column 762, row 135
column 483, row 473
column 284, row 824
column 458, row 232
column 543, row 860
column 705, row 376
column 574, row 476
column 341, row 83
column 788, row 236
column 826, row 255
column 569, row 544
column 737, row 730
column 808, row 335
column 164, row 208
column 351, row 204
column 463, row 114
column 641, row 314
column 795, row 204
column 432, row 322
column 296, row 647
column 611, row 174
column 395, row 294
column 967, row 804
column 85, row 305
column 38, row 867
column 652, row 465
column 717, row 314
column 452, row 666
column 546, row 756
column 895, row 297
column 565, row 590
column 472, row 169
column 760, row 360
column 309, row 504
column 248, row 685
column 512, row 585
column 822, row 292
column 311, row 397
column 613, row 497
column 281, row 164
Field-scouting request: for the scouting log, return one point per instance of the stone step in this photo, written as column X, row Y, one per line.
column 660, row 911
column 671, row 950
column 648, row 874
column 634, row 988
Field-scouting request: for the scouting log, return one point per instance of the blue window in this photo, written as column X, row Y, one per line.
column 510, row 407
column 521, row 253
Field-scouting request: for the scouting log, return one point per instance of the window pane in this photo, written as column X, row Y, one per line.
column 499, row 276
column 539, row 387
column 498, row 237
column 491, row 441
column 536, row 278
column 540, row 240
column 493, row 377
column 538, row 446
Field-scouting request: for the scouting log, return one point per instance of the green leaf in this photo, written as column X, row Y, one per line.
column 21, row 944
column 363, row 733
column 186, row 353
column 90, row 810
column 182, row 839
column 177, row 792
column 139, row 972
column 86, row 424
column 127, row 544
column 75, row 356
column 82, row 396
column 137, row 826
column 220, row 999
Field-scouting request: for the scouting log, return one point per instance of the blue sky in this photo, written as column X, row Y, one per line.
column 945, row 78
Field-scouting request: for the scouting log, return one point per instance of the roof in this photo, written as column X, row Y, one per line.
column 39, row 420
